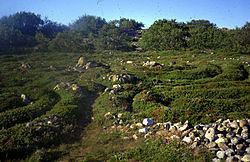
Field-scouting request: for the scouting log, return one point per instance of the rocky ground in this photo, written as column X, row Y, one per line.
column 227, row 139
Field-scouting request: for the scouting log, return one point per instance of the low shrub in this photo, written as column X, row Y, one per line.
column 27, row 113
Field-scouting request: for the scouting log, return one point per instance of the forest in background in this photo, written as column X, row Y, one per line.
column 28, row 32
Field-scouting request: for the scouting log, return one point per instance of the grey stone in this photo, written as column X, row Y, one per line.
column 194, row 145
column 237, row 131
column 197, row 139
column 229, row 152
column 200, row 133
column 219, row 121
column 230, row 135
column 245, row 135
column 225, row 122
column 167, row 125
column 216, row 160
column 173, row 129
column 223, row 146
column 143, row 130
column 238, row 156
column 221, row 128
column 210, row 134
column 211, row 145
column 247, row 140
column 214, row 149
column 233, row 124
column 246, row 158
column 185, row 126
column 247, row 150
column 243, row 123
column 220, row 154
column 235, row 140
column 232, row 159
column 239, row 146
column 199, row 127
column 240, row 152
column 187, row 139
column 186, row 132
column 221, row 140
column 245, row 129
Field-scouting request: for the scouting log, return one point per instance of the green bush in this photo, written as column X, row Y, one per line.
column 233, row 72
column 23, row 138
column 205, row 71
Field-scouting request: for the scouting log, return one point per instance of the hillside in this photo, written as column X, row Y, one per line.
column 55, row 106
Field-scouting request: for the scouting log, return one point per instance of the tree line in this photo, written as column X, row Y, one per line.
column 196, row 34
column 26, row 31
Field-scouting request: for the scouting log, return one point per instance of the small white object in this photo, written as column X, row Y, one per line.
column 148, row 122
column 143, row 130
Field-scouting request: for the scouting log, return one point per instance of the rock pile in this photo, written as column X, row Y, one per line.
column 114, row 90
column 123, row 78
column 83, row 64
column 228, row 139
column 67, row 86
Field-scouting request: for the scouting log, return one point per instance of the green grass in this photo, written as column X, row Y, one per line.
column 155, row 150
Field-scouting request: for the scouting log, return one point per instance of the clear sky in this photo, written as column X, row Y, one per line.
column 225, row 13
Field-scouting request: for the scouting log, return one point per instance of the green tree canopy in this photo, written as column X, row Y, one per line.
column 26, row 22
column 111, row 37
column 88, row 25
column 164, row 35
column 50, row 29
column 71, row 41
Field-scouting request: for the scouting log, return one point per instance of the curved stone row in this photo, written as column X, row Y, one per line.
column 227, row 139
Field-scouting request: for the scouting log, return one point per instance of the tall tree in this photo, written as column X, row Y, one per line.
column 164, row 35
column 50, row 29
column 111, row 37
column 88, row 25
column 26, row 22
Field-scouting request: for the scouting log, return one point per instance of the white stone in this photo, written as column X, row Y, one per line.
column 148, row 122
column 229, row 152
column 143, row 130
column 139, row 125
column 216, row 160
column 221, row 140
column 129, row 62
column 220, row 154
column 210, row 133
column 187, row 139
column 175, row 137
column 248, row 150
column 185, row 126
column 246, row 158
column 119, row 115
column 108, row 115
column 135, row 137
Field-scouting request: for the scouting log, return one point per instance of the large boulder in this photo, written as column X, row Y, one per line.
column 152, row 64
column 82, row 61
